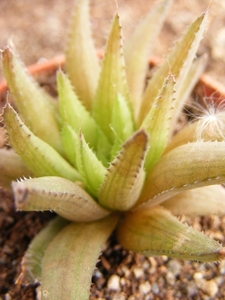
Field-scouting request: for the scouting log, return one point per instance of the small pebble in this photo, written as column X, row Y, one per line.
column 145, row 265
column 126, row 271
column 138, row 273
column 192, row 289
column 170, row 278
column 145, row 287
column 155, row 288
column 123, row 281
column 97, row 273
column 114, row 283
column 222, row 267
column 198, row 276
column 210, row 287
column 174, row 267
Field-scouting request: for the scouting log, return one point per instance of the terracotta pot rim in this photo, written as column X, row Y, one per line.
column 206, row 86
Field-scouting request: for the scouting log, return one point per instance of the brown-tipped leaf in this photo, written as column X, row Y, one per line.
column 57, row 194
column 155, row 231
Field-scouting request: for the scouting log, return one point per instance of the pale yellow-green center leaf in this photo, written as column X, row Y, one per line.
column 125, row 176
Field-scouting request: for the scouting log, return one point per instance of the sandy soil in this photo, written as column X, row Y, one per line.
column 38, row 28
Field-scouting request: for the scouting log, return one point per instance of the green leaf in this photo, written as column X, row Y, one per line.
column 177, row 62
column 186, row 167
column 82, row 63
column 57, row 194
column 112, row 80
column 72, row 111
column 32, row 260
column 122, row 123
column 157, row 122
column 78, row 117
column 125, row 176
column 70, row 142
column 208, row 200
column 11, row 167
column 38, row 156
column 37, row 108
column 137, row 51
column 155, row 231
column 70, row 259
column 88, row 165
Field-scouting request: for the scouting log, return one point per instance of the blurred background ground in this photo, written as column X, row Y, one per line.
column 38, row 28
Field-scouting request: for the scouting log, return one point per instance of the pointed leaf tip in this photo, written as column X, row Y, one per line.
column 31, row 100
column 138, row 48
column 178, row 62
column 125, row 176
column 155, row 231
column 112, row 80
column 39, row 157
column 57, row 194
column 82, row 63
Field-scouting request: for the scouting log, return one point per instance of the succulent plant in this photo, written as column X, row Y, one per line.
column 104, row 157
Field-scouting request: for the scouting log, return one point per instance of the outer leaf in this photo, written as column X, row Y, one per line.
column 81, row 59
column 57, row 194
column 76, row 115
column 183, row 168
column 88, row 165
column 155, row 231
column 186, row 87
column 38, row 156
column 112, row 80
column 32, row 101
column 208, row 200
column 138, row 48
column 157, row 122
column 124, row 179
column 178, row 63
column 70, row 259
column 11, row 167
column 31, row 262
